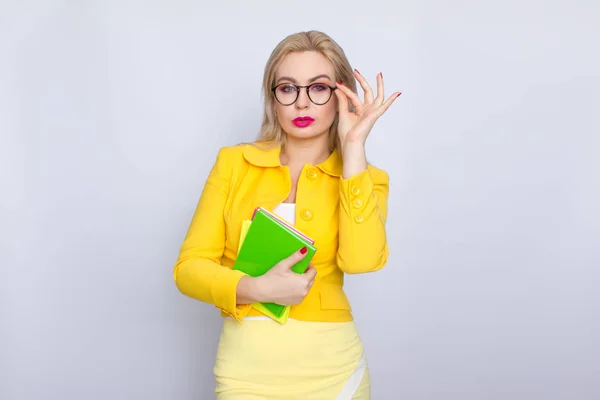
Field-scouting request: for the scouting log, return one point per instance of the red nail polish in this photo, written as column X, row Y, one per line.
column 357, row 71
column 339, row 83
column 398, row 95
column 381, row 74
column 303, row 250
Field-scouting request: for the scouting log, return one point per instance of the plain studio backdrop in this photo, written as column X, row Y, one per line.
column 111, row 115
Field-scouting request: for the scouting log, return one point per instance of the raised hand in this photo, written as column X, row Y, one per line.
column 354, row 127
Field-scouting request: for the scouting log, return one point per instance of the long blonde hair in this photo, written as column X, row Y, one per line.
column 271, row 131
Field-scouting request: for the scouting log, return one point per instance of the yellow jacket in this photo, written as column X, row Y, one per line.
column 345, row 217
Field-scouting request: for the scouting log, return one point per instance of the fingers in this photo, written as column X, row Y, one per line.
column 294, row 258
column 342, row 101
column 354, row 99
column 310, row 273
column 388, row 103
column 365, row 86
column 380, row 95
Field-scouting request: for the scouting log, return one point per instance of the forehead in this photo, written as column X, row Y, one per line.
column 305, row 65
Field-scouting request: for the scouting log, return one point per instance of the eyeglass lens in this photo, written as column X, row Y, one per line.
column 318, row 93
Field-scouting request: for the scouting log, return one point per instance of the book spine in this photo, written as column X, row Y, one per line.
column 285, row 223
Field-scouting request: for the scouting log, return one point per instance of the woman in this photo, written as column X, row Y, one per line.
column 309, row 167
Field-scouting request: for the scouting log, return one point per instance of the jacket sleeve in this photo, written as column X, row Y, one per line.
column 198, row 272
column 363, row 243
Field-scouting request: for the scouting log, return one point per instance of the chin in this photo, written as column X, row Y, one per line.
column 309, row 132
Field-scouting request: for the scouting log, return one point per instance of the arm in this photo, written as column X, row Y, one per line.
column 363, row 190
column 363, row 193
column 198, row 272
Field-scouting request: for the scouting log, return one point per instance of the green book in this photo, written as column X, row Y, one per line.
column 270, row 239
column 259, row 306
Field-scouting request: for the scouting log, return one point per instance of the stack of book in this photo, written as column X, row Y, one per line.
column 265, row 240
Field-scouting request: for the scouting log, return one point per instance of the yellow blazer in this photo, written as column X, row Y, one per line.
column 345, row 217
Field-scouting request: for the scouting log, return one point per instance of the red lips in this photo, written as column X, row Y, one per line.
column 303, row 121
column 305, row 118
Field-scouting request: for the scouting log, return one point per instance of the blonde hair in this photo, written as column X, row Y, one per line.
column 271, row 131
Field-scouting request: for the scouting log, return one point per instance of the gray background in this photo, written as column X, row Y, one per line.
column 111, row 114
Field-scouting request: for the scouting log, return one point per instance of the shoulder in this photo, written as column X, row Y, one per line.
column 231, row 155
column 260, row 154
column 255, row 153
column 231, row 152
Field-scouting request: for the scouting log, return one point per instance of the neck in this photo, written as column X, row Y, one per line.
column 311, row 151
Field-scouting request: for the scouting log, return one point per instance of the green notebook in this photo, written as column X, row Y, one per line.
column 259, row 306
column 270, row 239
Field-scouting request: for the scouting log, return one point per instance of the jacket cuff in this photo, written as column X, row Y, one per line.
column 356, row 196
column 241, row 311
column 224, row 290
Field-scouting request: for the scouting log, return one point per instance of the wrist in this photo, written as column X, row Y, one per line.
column 353, row 145
column 252, row 289
column 260, row 289
column 355, row 159
column 248, row 291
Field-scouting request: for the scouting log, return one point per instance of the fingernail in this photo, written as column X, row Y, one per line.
column 381, row 74
column 339, row 83
column 398, row 95
column 303, row 250
column 357, row 71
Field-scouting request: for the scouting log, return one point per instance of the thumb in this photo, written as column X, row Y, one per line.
column 342, row 101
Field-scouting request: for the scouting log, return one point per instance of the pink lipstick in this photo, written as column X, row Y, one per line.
column 302, row 122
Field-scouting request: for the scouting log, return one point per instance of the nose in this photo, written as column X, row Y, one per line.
column 303, row 101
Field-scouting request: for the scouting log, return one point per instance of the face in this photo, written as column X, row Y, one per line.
column 304, row 119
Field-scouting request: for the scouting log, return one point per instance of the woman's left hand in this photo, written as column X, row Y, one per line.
column 354, row 127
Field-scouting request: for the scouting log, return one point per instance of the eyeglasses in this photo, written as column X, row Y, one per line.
column 318, row 93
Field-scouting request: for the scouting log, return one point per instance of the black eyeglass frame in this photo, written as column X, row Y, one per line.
column 298, row 87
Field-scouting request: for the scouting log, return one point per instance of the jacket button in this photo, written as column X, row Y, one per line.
column 357, row 203
column 359, row 218
column 306, row 215
column 312, row 174
column 355, row 190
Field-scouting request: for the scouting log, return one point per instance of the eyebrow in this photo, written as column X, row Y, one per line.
column 287, row 78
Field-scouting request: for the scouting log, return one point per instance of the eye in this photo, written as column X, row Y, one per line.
column 319, row 87
column 287, row 88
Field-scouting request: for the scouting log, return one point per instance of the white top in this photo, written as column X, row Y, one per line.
column 287, row 211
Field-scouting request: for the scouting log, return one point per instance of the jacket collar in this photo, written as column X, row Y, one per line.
column 268, row 156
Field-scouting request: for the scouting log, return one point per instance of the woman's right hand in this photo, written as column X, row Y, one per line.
column 283, row 286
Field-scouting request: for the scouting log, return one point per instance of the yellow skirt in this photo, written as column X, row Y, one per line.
column 262, row 359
